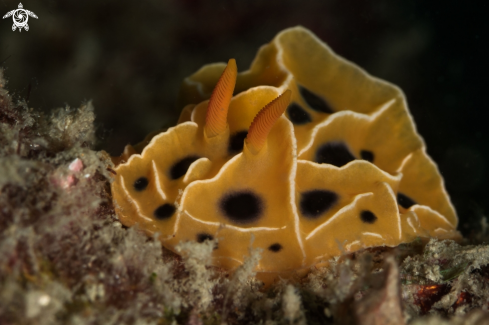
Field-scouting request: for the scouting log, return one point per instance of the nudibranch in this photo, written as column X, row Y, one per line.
column 305, row 156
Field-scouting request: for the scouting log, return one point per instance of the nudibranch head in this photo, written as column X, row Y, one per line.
column 310, row 159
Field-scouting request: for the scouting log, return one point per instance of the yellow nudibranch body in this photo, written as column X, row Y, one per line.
column 310, row 159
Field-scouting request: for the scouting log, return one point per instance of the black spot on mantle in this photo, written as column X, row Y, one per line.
column 334, row 153
column 297, row 115
column 242, row 207
column 368, row 216
column 202, row 237
column 405, row 201
column 315, row 101
column 180, row 168
column 367, row 155
column 275, row 248
column 164, row 211
column 316, row 202
column 141, row 184
column 236, row 142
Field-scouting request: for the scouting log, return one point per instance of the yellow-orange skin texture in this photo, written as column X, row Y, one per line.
column 367, row 115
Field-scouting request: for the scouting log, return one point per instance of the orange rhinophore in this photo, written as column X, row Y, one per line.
column 216, row 118
column 310, row 159
column 264, row 121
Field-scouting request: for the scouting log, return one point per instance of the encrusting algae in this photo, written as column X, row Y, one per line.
column 304, row 156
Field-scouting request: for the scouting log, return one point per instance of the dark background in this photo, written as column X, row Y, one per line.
column 129, row 58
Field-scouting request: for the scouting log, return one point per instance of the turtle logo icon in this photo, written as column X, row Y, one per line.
column 20, row 17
